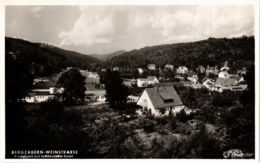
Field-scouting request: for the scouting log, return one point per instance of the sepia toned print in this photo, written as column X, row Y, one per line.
column 130, row 82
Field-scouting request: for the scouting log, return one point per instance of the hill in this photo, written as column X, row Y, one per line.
column 239, row 51
column 108, row 56
column 46, row 59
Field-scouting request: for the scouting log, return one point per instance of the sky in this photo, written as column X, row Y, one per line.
column 105, row 29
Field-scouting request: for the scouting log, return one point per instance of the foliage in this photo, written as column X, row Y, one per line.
column 18, row 78
column 74, row 86
column 46, row 59
column 116, row 92
column 207, row 52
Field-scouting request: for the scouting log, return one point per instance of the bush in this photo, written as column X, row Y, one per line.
column 148, row 125
column 183, row 117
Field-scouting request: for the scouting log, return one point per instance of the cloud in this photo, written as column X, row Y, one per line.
column 93, row 26
column 104, row 29
column 139, row 26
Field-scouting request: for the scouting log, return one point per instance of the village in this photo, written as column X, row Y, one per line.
column 154, row 92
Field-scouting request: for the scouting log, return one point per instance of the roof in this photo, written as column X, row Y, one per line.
column 43, row 85
column 163, row 97
column 226, row 82
column 235, row 77
column 39, row 94
column 151, row 77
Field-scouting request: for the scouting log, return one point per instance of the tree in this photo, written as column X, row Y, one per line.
column 74, row 86
column 116, row 92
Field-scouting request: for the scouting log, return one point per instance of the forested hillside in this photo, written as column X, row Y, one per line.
column 45, row 59
column 238, row 51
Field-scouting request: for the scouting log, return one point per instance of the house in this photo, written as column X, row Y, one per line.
column 93, row 75
column 225, row 68
column 115, row 68
column 42, row 92
column 160, row 101
column 144, row 82
column 96, row 95
column 201, row 69
column 182, row 70
column 38, row 97
column 168, row 67
column 223, row 75
column 151, row 66
column 132, row 98
column 212, row 70
column 140, row 71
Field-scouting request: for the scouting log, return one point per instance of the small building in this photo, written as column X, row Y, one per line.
column 182, row 70
column 168, row 67
column 151, row 66
column 115, row 68
column 223, row 75
column 42, row 93
column 144, row 82
column 38, row 97
column 96, row 95
column 160, row 101
column 140, row 71
column 225, row 68
column 212, row 70
column 103, row 70
column 93, row 75
column 201, row 69
column 132, row 98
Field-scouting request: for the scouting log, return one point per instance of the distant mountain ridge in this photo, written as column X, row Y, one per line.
column 206, row 52
column 108, row 56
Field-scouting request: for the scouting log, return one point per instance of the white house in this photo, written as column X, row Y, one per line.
column 42, row 95
column 115, row 68
column 140, row 71
column 160, row 101
column 212, row 70
column 223, row 75
column 144, row 82
column 182, row 70
column 151, row 66
column 168, row 67
column 225, row 68
column 93, row 75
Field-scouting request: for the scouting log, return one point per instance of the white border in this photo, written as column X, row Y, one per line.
column 124, row 2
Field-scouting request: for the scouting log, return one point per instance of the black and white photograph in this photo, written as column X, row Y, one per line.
column 130, row 81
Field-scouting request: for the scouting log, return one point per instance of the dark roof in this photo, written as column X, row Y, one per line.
column 38, row 94
column 43, row 85
column 163, row 97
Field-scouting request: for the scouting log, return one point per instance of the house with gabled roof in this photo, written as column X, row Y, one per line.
column 144, row 82
column 160, row 101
